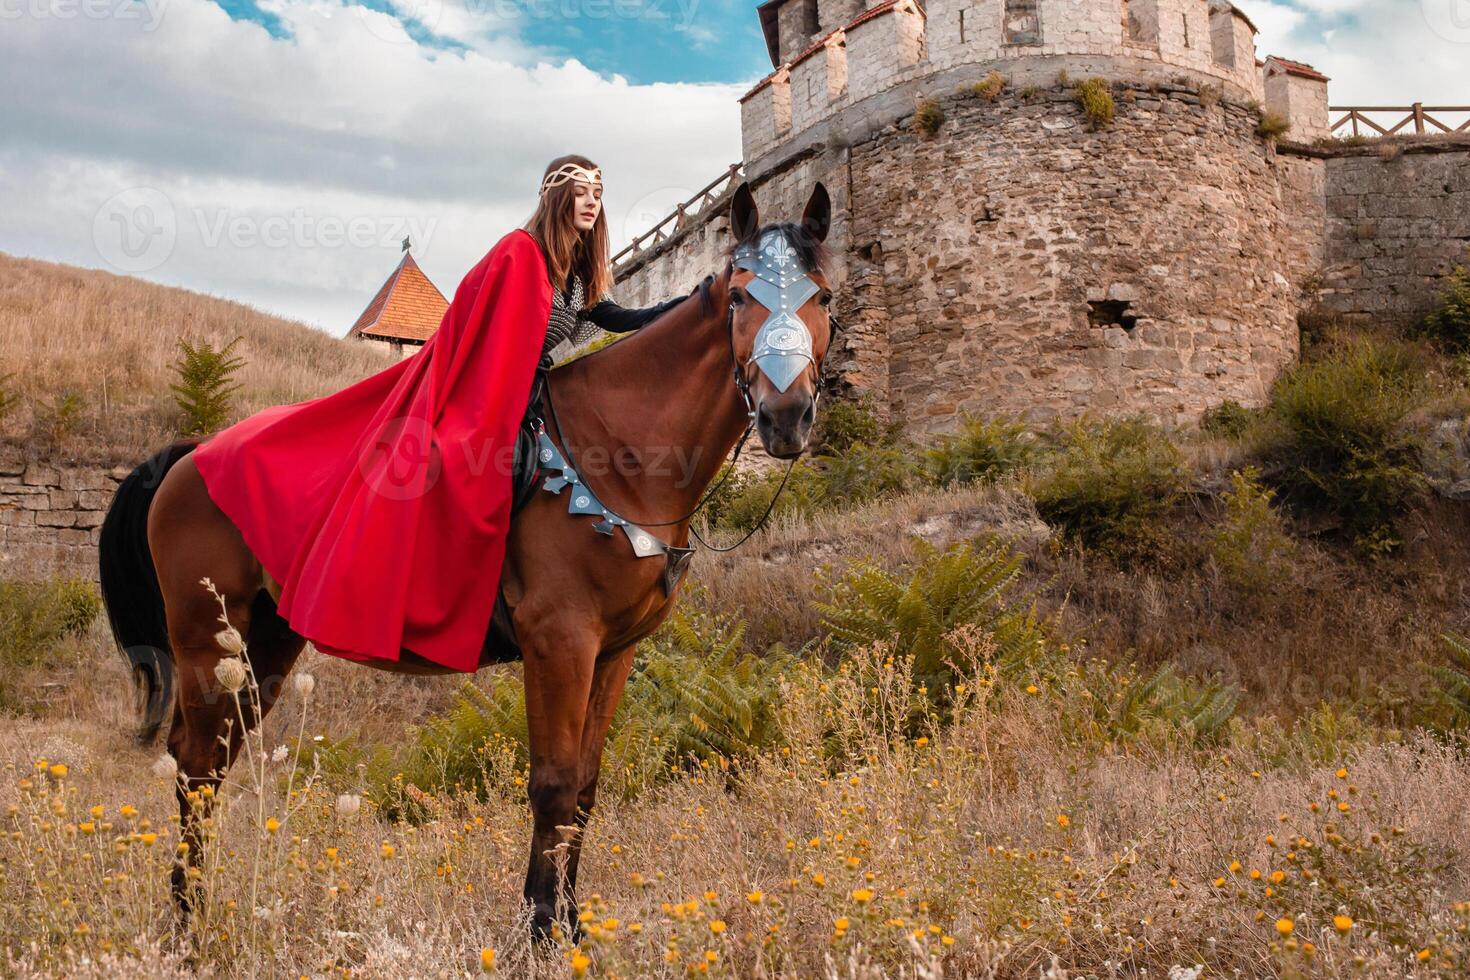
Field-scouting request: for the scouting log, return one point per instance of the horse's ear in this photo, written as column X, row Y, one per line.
column 816, row 220
column 745, row 217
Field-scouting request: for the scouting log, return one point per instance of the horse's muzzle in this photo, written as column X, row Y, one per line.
column 784, row 424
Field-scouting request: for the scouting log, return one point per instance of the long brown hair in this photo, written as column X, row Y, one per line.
column 567, row 249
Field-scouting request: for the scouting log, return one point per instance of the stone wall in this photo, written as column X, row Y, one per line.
column 1033, row 266
column 1398, row 219
column 50, row 517
column 1302, row 180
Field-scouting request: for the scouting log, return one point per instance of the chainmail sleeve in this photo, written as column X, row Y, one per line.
column 564, row 322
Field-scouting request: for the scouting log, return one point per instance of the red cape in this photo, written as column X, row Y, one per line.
column 382, row 510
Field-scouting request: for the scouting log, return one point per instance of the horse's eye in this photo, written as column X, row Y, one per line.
column 736, row 297
column 826, row 299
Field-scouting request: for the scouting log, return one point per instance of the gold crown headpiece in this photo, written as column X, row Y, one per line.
column 572, row 171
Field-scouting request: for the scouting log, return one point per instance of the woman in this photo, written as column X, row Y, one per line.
column 571, row 228
column 381, row 511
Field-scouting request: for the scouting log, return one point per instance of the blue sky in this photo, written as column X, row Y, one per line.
column 286, row 146
column 642, row 40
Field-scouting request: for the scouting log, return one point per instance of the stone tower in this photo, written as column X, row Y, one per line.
column 1019, row 258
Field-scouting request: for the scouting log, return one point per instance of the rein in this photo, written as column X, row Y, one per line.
column 741, row 385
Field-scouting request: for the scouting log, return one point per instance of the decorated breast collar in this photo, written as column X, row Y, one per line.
column 782, row 283
column 581, row 500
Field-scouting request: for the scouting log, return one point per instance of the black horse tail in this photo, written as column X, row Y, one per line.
column 130, row 589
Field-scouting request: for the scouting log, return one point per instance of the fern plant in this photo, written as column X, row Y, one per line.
column 694, row 696
column 1119, row 706
column 204, row 390
column 1453, row 679
column 916, row 608
column 8, row 399
column 61, row 416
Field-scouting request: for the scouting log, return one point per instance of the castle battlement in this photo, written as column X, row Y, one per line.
column 840, row 65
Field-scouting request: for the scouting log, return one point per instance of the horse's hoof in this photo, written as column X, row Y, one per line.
column 547, row 929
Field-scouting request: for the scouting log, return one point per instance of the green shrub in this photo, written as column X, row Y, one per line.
column 846, row 422
column 203, row 391
column 1271, row 125
column 1227, row 420
column 1338, row 439
column 1449, row 322
column 34, row 618
column 916, row 608
column 1095, row 96
column 739, row 503
column 866, row 473
column 8, row 399
column 1251, row 547
column 928, row 116
column 860, row 474
column 1109, row 484
column 981, row 450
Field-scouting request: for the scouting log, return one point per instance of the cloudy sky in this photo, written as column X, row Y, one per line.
column 276, row 151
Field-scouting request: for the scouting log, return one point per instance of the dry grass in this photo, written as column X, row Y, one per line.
column 999, row 845
column 111, row 340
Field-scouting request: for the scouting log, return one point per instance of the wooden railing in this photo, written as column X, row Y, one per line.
column 1398, row 119
column 665, row 229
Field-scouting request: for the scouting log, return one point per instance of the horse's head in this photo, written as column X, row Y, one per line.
column 779, row 324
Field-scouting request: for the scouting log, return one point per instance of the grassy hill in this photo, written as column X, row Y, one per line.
column 109, row 341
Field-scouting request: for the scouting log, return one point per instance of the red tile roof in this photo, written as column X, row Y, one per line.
column 408, row 307
column 1298, row 68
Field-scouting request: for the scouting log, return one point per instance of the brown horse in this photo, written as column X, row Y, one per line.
column 667, row 402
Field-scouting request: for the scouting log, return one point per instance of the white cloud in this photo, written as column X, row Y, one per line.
column 291, row 166
column 1377, row 52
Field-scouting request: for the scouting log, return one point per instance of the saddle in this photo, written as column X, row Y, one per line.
column 526, row 477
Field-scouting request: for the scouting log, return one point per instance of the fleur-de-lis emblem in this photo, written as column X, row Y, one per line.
column 779, row 251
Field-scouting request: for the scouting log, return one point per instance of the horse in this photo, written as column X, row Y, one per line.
column 690, row 385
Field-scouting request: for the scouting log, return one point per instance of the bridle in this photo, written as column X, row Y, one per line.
column 783, row 354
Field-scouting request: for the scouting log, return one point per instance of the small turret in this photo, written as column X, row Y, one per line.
column 1298, row 93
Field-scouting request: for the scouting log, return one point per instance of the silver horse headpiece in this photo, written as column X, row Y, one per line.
column 782, row 283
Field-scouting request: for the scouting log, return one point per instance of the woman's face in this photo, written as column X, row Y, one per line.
column 587, row 205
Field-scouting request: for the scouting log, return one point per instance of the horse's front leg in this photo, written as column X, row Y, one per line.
column 608, row 680
column 560, row 662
